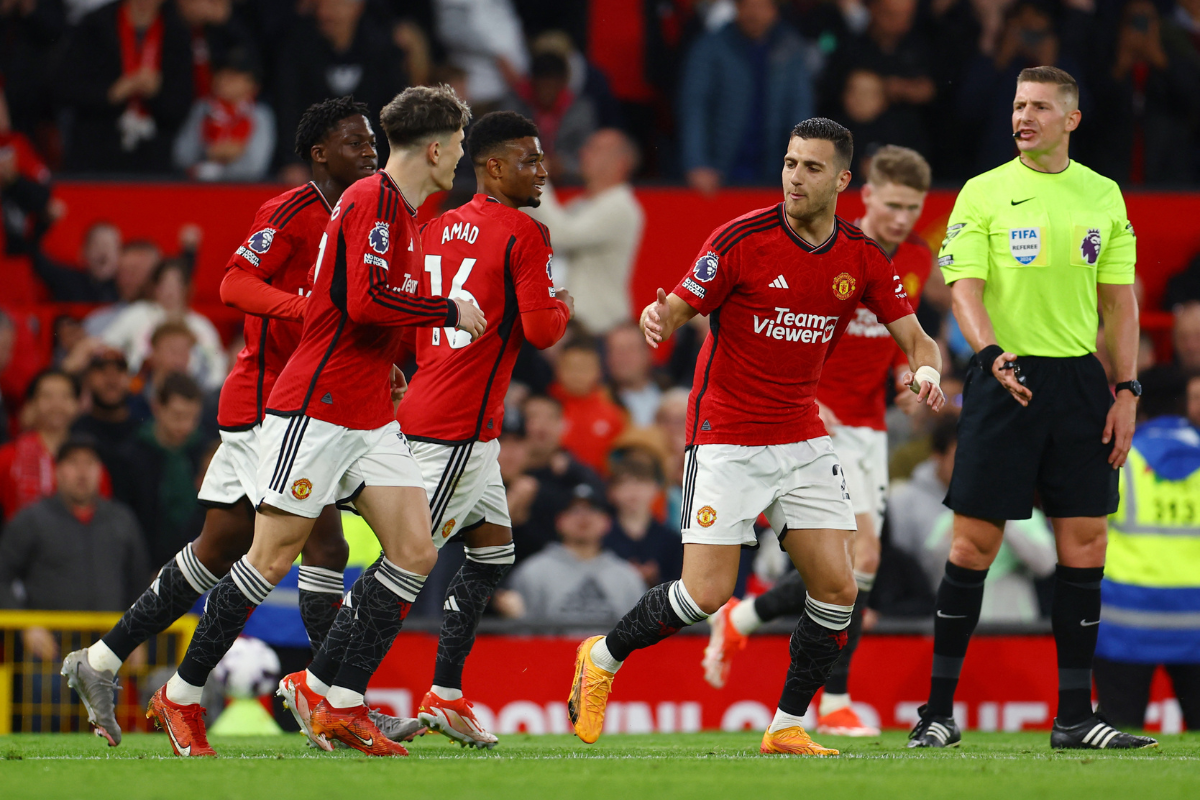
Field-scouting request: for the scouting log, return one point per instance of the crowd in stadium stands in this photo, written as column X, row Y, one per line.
column 708, row 89
column 108, row 443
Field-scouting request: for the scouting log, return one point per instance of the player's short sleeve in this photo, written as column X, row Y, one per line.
column 884, row 292
column 711, row 278
column 532, row 268
column 965, row 250
column 266, row 249
column 1119, row 256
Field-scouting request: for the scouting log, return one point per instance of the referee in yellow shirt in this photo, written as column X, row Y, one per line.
column 1029, row 247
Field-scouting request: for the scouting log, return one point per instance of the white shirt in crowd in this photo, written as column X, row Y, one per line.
column 131, row 331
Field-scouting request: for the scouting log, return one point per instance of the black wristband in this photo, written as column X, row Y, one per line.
column 987, row 357
column 451, row 314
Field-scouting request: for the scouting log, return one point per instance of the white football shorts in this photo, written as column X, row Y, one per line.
column 233, row 472
column 863, row 453
column 464, row 486
column 726, row 486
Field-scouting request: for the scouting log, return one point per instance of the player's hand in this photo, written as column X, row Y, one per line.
column 470, row 319
column 565, row 296
column 654, row 317
column 1118, row 428
column 399, row 387
column 40, row 642
column 1009, row 380
column 828, row 418
column 927, row 393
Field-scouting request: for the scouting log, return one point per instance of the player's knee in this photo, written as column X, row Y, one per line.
column 839, row 589
column 330, row 553
column 416, row 556
column 866, row 560
column 709, row 597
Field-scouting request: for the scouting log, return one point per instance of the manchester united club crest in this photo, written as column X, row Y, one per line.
column 380, row 238
column 301, row 489
column 844, row 286
column 448, row 529
column 706, row 516
column 260, row 242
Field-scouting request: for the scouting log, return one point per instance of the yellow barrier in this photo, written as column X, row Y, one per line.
column 35, row 698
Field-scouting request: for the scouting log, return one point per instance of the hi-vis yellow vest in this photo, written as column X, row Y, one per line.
column 1154, row 537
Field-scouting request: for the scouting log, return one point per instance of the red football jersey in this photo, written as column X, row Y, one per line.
column 500, row 259
column 777, row 305
column 279, row 249
column 854, row 379
column 365, row 288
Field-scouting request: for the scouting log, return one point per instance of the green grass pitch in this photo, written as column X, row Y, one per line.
column 1012, row 766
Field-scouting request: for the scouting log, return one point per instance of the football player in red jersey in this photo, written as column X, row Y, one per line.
column 488, row 253
column 267, row 278
column 330, row 433
column 852, row 404
column 779, row 285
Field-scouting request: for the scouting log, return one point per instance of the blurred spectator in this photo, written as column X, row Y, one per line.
column 73, row 550
column 27, row 463
column 126, row 78
column 171, row 347
column 215, row 34
column 1149, row 100
column 111, row 421
column 135, row 266
column 578, row 582
column 672, row 420
column 1184, row 286
column 627, row 357
column 1149, row 597
column 1192, row 400
column 338, row 51
column 636, row 536
column 69, row 336
column 1187, row 336
column 8, row 336
column 550, row 475
column 131, row 332
column 743, row 89
column 476, row 35
column 161, row 467
column 565, row 119
column 26, row 207
column 30, row 30
column 899, row 54
column 94, row 281
column 585, row 79
column 920, row 527
column 986, row 91
column 229, row 135
column 598, row 234
column 591, row 420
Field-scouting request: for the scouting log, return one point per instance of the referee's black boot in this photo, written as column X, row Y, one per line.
column 934, row 731
column 1094, row 733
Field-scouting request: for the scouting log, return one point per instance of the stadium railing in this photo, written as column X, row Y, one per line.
column 35, row 698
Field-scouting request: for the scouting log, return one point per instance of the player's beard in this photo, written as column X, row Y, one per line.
column 533, row 202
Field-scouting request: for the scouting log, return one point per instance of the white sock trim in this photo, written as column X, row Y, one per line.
column 399, row 581
column 101, row 657
column 341, row 697
column 497, row 554
column 319, row 579
column 833, row 702
column 446, row 692
column 684, row 605
column 183, row 693
column 316, row 684
column 865, row 580
column 193, row 571
column 828, row 615
column 250, row 581
column 783, row 720
column 604, row 659
column 744, row 617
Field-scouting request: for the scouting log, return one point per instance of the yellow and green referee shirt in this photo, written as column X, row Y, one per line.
column 1042, row 242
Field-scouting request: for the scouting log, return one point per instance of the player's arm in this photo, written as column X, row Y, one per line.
column 544, row 310
column 925, row 358
column 245, row 287
column 1119, row 309
column 664, row 316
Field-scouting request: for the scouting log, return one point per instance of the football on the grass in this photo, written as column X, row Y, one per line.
column 249, row 669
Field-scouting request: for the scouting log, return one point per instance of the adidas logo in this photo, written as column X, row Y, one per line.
column 780, row 283
column 327, row 399
column 706, row 426
column 451, row 604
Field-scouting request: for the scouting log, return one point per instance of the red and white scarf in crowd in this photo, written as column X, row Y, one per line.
column 227, row 122
column 136, row 124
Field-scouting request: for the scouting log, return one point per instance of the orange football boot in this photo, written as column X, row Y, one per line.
column 589, row 693
column 352, row 727
column 793, row 742
column 184, row 725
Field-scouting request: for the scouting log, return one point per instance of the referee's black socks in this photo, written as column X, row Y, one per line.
column 959, row 599
column 1075, row 616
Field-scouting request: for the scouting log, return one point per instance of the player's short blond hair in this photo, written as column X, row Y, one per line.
column 901, row 166
column 421, row 113
column 1068, row 88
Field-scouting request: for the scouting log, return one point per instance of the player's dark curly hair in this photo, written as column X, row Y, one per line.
column 829, row 131
column 321, row 118
column 492, row 130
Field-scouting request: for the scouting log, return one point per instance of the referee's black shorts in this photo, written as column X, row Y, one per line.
column 1008, row 453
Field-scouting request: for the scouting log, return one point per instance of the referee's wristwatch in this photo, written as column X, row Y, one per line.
column 1134, row 387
